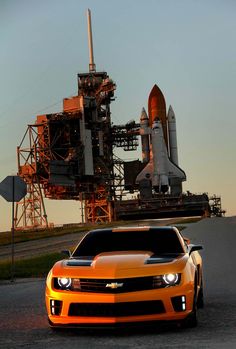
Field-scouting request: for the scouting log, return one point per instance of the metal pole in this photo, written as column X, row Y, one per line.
column 82, row 211
column 13, row 230
column 92, row 66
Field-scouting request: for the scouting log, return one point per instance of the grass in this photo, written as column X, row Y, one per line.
column 27, row 268
column 28, row 235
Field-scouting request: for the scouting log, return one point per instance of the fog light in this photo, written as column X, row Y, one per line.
column 179, row 303
column 55, row 307
column 183, row 298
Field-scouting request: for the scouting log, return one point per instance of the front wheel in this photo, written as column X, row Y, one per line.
column 191, row 320
column 200, row 298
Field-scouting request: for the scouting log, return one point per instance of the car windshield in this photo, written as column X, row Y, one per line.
column 158, row 241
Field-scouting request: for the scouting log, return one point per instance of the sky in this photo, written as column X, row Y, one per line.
column 186, row 47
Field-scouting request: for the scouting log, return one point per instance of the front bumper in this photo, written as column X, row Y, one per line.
column 88, row 309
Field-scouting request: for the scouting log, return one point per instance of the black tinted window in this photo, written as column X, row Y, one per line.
column 158, row 241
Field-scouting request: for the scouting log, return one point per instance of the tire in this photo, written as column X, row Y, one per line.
column 191, row 320
column 200, row 298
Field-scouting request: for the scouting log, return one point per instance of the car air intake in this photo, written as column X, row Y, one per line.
column 116, row 309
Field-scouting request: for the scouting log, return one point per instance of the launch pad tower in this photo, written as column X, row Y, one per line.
column 70, row 156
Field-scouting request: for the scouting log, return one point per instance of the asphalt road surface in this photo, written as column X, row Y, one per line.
column 23, row 322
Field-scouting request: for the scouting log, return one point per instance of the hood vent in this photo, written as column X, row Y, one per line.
column 79, row 263
column 157, row 260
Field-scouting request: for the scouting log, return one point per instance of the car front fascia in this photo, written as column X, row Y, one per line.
column 185, row 288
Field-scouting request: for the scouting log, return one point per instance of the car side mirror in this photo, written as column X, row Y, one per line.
column 67, row 253
column 195, row 248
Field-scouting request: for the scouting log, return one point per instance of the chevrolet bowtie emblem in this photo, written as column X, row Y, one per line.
column 114, row 285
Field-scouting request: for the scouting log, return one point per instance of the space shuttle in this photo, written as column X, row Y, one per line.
column 159, row 147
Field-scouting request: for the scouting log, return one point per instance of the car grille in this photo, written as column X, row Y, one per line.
column 118, row 285
column 116, row 309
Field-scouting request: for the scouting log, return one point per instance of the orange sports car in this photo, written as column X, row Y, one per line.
column 127, row 275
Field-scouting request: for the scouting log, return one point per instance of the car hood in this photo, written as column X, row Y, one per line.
column 120, row 264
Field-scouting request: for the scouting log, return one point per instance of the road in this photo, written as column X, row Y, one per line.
column 39, row 247
column 23, row 322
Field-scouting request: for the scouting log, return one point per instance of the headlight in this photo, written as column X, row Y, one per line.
column 76, row 285
column 64, row 283
column 166, row 280
column 171, row 279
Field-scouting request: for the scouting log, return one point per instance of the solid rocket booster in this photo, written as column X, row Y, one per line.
column 172, row 136
column 144, row 132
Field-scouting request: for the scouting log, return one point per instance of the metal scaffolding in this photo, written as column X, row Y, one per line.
column 30, row 212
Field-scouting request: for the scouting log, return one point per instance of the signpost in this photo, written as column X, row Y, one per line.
column 13, row 189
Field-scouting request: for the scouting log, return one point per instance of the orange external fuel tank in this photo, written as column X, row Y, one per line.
column 157, row 109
